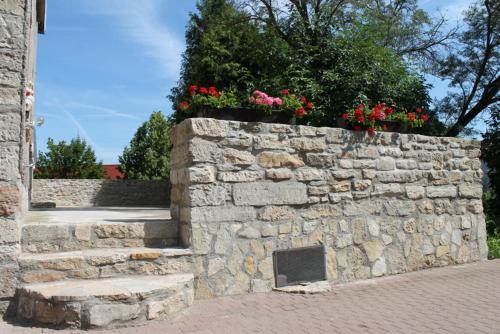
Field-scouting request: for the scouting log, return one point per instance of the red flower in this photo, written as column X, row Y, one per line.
column 301, row 112
column 183, row 105
column 424, row 117
column 345, row 116
column 358, row 112
column 357, row 128
column 212, row 91
column 203, row 90
column 388, row 110
column 285, row 92
column 309, row 106
column 384, row 127
column 360, row 119
column 411, row 117
column 192, row 90
column 303, row 100
column 371, row 131
column 419, row 110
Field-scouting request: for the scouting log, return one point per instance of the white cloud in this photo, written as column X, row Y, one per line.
column 140, row 21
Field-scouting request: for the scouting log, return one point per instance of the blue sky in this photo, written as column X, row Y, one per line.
column 105, row 65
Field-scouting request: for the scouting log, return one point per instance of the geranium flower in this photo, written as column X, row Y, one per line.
column 418, row 110
column 303, row 100
column 424, row 117
column 278, row 101
column 212, row 91
column 285, row 92
column 192, row 90
column 371, row 131
column 384, row 127
column 388, row 110
column 411, row 117
column 345, row 116
column 203, row 90
column 183, row 105
column 309, row 106
column 301, row 112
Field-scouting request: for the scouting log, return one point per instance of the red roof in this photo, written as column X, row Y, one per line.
column 113, row 172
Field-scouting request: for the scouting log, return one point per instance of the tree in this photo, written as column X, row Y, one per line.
column 226, row 50
column 73, row 160
column 473, row 68
column 148, row 157
column 491, row 155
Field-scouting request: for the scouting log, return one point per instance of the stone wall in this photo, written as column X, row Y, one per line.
column 18, row 28
column 381, row 205
column 86, row 193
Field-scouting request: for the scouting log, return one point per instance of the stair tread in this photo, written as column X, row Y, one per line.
column 92, row 252
column 123, row 287
column 106, row 215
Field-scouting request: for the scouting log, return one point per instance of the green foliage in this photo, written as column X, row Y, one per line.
column 148, row 157
column 224, row 99
column 320, row 58
column 73, row 160
column 491, row 155
column 494, row 247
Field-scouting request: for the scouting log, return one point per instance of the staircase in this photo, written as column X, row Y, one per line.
column 101, row 268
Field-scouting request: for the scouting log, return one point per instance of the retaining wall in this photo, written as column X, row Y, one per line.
column 381, row 205
column 88, row 192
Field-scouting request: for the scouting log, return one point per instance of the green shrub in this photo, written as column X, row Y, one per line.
column 494, row 247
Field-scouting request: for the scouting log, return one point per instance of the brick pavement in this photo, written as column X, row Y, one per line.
column 459, row 299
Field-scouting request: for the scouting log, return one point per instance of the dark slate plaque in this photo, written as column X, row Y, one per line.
column 298, row 265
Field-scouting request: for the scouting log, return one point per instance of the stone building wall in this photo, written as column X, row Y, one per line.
column 18, row 29
column 87, row 193
column 381, row 205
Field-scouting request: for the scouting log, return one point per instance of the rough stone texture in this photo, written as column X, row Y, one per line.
column 87, row 193
column 18, row 30
column 381, row 205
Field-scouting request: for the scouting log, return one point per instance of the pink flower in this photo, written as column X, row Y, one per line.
column 278, row 101
column 269, row 100
column 251, row 99
column 260, row 101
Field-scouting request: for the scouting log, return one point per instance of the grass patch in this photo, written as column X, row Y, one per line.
column 494, row 247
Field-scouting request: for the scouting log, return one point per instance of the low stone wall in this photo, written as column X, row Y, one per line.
column 87, row 192
column 381, row 205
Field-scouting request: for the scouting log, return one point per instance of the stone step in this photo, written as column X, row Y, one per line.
column 104, row 303
column 103, row 263
column 56, row 237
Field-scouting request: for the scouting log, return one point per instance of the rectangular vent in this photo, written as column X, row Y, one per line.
column 299, row 265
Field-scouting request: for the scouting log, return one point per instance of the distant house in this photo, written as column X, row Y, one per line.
column 113, row 173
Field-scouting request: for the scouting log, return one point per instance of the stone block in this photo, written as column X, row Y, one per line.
column 208, row 127
column 8, row 280
column 12, row 7
column 279, row 159
column 269, row 193
column 379, row 268
column 10, row 202
column 200, row 150
column 237, row 157
column 207, row 195
column 399, row 208
column 308, row 144
column 415, row 192
column 9, row 163
column 309, row 174
column 241, row 176
column 9, row 231
column 228, row 213
column 269, row 141
column 10, row 126
column 318, row 211
column 373, row 249
column 279, row 174
column 204, row 174
column 370, row 152
column 387, row 189
column 386, row 164
column 320, row 159
column 274, row 213
column 441, row 192
column 470, row 190
column 102, row 315
column 11, row 32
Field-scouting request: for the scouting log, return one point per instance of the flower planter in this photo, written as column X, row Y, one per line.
column 245, row 115
column 392, row 126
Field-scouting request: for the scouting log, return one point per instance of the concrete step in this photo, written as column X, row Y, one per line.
column 103, row 263
column 104, row 303
column 45, row 233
